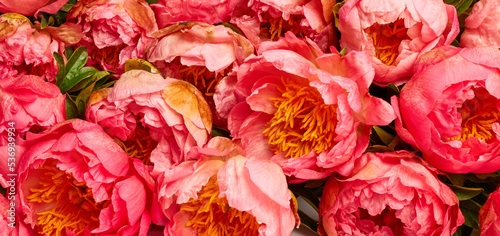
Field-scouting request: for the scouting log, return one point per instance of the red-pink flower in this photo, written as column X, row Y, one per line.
column 271, row 19
column 450, row 109
column 200, row 54
column 389, row 194
column 9, row 220
column 482, row 26
column 310, row 112
column 154, row 119
column 395, row 32
column 114, row 30
column 28, row 49
column 224, row 193
column 31, row 7
column 489, row 220
column 74, row 179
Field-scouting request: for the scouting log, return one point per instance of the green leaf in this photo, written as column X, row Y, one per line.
column 60, row 64
column 71, row 108
column 306, row 194
column 82, row 98
column 465, row 193
column 140, row 64
column 308, row 221
column 460, row 5
column 470, row 210
column 75, row 77
column 342, row 52
column 151, row 1
column 77, row 60
column 383, row 135
column 216, row 131
column 335, row 10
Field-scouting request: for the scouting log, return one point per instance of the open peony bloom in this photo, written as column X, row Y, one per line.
column 169, row 12
column 28, row 49
column 74, row 179
column 271, row 19
column 200, row 54
column 310, row 112
column 224, row 193
column 395, row 32
column 482, row 26
column 31, row 103
column 31, row 7
column 114, row 30
column 489, row 220
column 389, row 194
column 153, row 119
column 450, row 109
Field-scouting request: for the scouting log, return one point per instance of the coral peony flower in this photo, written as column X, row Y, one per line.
column 31, row 7
column 482, row 26
column 450, row 109
column 395, row 32
column 74, row 179
column 389, row 194
column 271, row 19
column 28, row 49
column 199, row 53
column 169, row 12
column 154, row 119
column 489, row 222
column 224, row 193
column 31, row 103
column 310, row 112
column 114, row 30
column 9, row 220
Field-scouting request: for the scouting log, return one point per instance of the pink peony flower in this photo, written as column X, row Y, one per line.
column 28, row 49
column 114, row 30
column 271, row 19
column 488, row 215
column 154, row 119
column 31, row 7
column 74, row 179
column 389, row 194
column 450, row 109
column 169, row 12
column 482, row 26
column 310, row 112
column 224, row 193
column 395, row 32
column 199, row 53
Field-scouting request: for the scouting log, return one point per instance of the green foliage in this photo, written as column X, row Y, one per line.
column 460, row 5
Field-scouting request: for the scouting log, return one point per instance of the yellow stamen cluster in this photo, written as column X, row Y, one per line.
column 71, row 204
column 140, row 145
column 109, row 55
column 211, row 215
column 302, row 122
column 206, row 81
column 273, row 28
column 478, row 114
column 386, row 40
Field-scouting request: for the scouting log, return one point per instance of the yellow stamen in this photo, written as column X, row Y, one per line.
column 59, row 192
column 273, row 28
column 140, row 145
column 206, row 81
column 478, row 114
column 302, row 122
column 386, row 40
column 211, row 215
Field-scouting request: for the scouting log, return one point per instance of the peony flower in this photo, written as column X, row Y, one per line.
column 310, row 112
column 389, row 194
column 169, row 12
column 224, row 193
column 31, row 7
column 199, row 53
column 450, row 109
column 28, row 49
column 482, row 26
column 395, row 32
column 489, row 222
column 153, row 119
column 114, row 30
column 74, row 179
column 9, row 220
column 271, row 19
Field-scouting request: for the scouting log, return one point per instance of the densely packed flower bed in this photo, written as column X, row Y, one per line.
column 193, row 117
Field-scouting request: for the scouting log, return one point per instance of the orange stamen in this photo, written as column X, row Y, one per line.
column 273, row 28
column 140, row 145
column 386, row 40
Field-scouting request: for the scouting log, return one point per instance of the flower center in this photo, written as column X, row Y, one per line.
column 206, row 81
column 211, row 215
column 109, row 55
column 70, row 204
column 140, row 145
column 32, row 69
column 273, row 28
column 386, row 40
column 302, row 122
column 386, row 218
column 478, row 115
